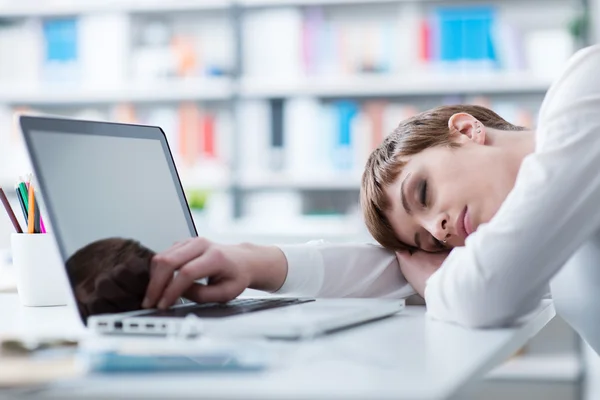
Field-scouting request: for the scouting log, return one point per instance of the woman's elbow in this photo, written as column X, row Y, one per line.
column 476, row 304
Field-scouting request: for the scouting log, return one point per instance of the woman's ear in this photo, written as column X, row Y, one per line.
column 467, row 127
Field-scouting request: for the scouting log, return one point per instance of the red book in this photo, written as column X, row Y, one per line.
column 425, row 41
column 208, row 136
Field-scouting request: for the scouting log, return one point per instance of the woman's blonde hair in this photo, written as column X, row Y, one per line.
column 424, row 130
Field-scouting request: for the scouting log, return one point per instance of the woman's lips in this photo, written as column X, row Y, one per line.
column 467, row 223
column 460, row 224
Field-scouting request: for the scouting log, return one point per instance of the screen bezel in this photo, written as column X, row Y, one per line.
column 38, row 124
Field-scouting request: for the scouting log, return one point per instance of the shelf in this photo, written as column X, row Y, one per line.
column 223, row 89
column 283, row 181
column 274, row 3
column 205, row 184
column 201, row 89
column 540, row 367
column 426, row 84
column 43, row 8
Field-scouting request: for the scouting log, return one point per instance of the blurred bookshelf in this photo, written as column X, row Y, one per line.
column 172, row 91
column 278, row 3
column 273, row 106
column 409, row 85
column 281, row 180
column 51, row 8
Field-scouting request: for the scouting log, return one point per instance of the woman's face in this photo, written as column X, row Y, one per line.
column 446, row 193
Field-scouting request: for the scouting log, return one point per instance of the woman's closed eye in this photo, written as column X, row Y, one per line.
column 435, row 244
column 423, row 193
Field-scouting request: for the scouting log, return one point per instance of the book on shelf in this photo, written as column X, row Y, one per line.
column 329, row 141
column 181, row 47
column 103, row 51
column 109, row 49
column 271, row 42
column 21, row 53
column 199, row 137
column 397, row 39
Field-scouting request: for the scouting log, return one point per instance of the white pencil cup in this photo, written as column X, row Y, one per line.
column 41, row 276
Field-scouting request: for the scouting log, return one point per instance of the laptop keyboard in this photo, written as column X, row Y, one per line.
column 234, row 307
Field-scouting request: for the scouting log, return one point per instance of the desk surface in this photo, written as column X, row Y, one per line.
column 405, row 356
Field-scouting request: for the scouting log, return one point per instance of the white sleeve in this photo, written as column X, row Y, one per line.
column 505, row 267
column 320, row 269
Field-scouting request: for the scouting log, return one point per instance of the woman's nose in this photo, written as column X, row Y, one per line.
column 444, row 231
column 439, row 228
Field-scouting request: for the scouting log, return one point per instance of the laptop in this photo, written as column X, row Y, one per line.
column 100, row 181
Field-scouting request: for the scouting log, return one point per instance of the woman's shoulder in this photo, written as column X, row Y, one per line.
column 579, row 80
column 583, row 65
column 585, row 54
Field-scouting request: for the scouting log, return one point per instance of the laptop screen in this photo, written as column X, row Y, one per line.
column 113, row 201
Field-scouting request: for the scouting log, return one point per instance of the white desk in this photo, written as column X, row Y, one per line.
column 404, row 357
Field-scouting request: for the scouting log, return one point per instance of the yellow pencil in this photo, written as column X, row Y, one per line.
column 31, row 217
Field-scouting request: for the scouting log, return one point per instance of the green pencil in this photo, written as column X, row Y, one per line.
column 23, row 189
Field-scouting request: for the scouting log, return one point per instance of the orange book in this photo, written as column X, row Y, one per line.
column 125, row 113
column 186, row 56
column 189, row 135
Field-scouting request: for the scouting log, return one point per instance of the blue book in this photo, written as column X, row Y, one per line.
column 60, row 50
column 450, row 42
column 465, row 33
column 477, row 28
column 346, row 112
column 60, row 39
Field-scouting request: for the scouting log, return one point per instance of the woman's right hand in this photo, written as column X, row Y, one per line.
column 419, row 266
column 229, row 270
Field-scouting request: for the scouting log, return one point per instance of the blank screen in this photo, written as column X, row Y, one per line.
column 105, row 186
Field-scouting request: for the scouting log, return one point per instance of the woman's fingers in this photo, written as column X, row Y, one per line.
column 163, row 266
column 419, row 266
column 210, row 264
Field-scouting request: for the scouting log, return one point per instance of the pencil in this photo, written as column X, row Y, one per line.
column 21, row 202
column 23, row 189
column 31, row 209
column 39, row 221
column 42, row 226
column 10, row 212
column 36, row 217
